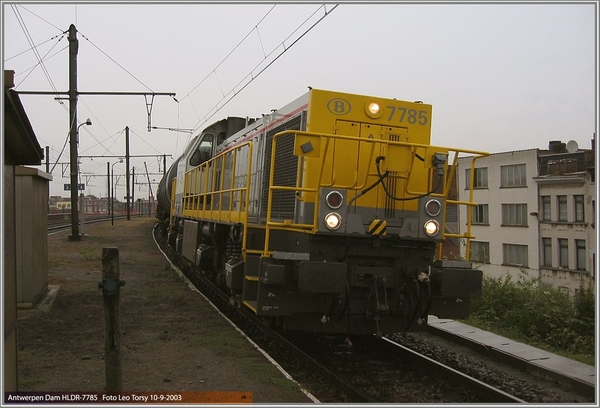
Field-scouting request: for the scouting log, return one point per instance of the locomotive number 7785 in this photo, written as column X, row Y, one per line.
column 412, row 116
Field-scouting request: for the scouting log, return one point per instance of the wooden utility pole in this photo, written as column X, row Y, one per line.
column 150, row 196
column 108, row 184
column 127, row 170
column 48, row 159
column 112, row 319
column 73, row 49
column 133, row 187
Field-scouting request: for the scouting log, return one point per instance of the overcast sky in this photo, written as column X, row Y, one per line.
column 500, row 77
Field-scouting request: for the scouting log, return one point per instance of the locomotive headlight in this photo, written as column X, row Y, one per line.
column 373, row 109
column 333, row 221
column 334, row 200
column 433, row 207
column 431, row 227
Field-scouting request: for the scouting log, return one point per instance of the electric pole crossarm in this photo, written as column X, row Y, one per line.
column 131, row 155
column 95, row 93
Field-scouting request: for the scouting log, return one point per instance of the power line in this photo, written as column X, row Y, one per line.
column 40, row 44
column 44, row 20
column 33, row 47
column 112, row 59
column 234, row 93
column 230, row 52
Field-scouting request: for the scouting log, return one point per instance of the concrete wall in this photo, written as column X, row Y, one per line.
column 31, row 218
column 9, row 284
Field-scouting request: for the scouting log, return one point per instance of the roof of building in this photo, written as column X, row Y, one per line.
column 20, row 143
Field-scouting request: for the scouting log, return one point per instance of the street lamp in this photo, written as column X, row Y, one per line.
column 75, row 182
column 88, row 122
column 112, row 200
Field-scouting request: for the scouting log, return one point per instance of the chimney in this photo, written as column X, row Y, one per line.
column 556, row 146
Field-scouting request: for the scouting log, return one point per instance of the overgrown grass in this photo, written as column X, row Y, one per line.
column 539, row 315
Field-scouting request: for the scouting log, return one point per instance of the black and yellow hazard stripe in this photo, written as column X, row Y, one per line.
column 377, row 227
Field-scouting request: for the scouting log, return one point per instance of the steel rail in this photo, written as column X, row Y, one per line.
column 483, row 390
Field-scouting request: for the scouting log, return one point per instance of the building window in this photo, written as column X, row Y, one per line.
column 480, row 215
column 563, row 253
column 481, row 179
column 579, row 209
column 515, row 255
column 513, row 176
column 562, row 166
column 514, row 215
column 562, row 208
column 480, row 252
column 546, row 209
column 565, row 289
column 547, row 248
column 581, row 254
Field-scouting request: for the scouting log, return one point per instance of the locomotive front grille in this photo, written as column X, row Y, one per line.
column 285, row 173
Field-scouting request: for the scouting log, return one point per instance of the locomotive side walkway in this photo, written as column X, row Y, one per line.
column 580, row 376
column 172, row 338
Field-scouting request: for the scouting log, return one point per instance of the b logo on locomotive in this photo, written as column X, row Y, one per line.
column 339, row 106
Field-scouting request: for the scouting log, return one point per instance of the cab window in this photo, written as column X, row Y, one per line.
column 221, row 138
column 203, row 151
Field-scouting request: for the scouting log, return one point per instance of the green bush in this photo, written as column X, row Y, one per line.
column 538, row 314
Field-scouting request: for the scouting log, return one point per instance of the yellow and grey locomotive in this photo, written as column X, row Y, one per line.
column 324, row 215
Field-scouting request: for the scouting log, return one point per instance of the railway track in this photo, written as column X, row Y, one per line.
column 60, row 224
column 312, row 372
column 485, row 391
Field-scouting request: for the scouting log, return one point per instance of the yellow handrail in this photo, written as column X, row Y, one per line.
column 205, row 186
column 289, row 225
column 211, row 191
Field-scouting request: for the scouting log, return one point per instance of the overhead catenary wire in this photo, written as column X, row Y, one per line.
column 112, row 137
column 33, row 47
column 230, row 52
column 41, row 18
column 30, row 70
column 98, row 122
column 113, row 60
column 63, row 148
column 143, row 140
column 60, row 37
column 224, row 101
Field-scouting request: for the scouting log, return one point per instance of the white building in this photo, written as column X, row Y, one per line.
column 566, row 185
column 535, row 214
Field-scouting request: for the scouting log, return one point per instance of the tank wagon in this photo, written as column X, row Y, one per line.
column 325, row 215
